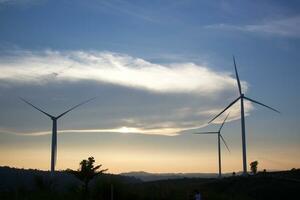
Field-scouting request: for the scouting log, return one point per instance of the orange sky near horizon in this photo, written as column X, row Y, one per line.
column 157, row 160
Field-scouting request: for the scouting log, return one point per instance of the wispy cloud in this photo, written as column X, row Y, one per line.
column 119, row 69
column 124, row 130
column 200, row 89
column 124, row 8
column 288, row 27
column 127, row 8
column 163, row 128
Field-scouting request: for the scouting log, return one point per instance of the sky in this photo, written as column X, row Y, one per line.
column 160, row 70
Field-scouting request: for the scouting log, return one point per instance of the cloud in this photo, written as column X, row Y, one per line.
column 113, row 68
column 126, row 8
column 182, row 97
column 124, row 130
column 164, row 128
column 288, row 27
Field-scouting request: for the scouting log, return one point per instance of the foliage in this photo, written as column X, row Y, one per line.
column 87, row 172
column 253, row 167
column 269, row 185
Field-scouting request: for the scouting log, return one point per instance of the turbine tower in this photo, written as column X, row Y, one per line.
column 220, row 137
column 54, row 128
column 242, row 97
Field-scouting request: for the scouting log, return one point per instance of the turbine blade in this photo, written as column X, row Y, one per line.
column 213, row 132
column 225, row 143
column 84, row 102
column 224, row 122
column 27, row 102
column 237, row 76
column 261, row 104
column 224, row 110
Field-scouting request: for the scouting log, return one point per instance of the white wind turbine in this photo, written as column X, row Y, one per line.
column 220, row 137
column 54, row 128
column 242, row 97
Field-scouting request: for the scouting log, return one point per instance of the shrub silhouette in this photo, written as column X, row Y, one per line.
column 253, row 166
column 87, row 172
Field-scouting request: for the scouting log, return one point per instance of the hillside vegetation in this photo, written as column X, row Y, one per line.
column 34, row 184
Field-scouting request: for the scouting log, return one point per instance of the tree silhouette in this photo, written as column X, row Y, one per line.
column 253, row 166
column 87, row 172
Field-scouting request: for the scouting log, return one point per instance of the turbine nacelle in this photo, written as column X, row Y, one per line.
column 54, row 128
column 242, row 97
column 218, row 132
column 220, row 137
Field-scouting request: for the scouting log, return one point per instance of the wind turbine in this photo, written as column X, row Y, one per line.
column 219, row 142
column 54, row 128
column 242, row 97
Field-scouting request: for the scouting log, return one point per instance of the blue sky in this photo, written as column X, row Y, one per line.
column 158, row 69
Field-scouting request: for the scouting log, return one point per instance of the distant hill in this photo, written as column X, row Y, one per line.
column 30, row 179
column 32, row 184
column 12, row 178
column 145, row 176
column 263, row 186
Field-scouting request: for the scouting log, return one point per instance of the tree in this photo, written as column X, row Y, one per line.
column 253, row 166
column 87, row 172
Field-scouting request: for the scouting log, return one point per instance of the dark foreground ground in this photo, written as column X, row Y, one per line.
column 34, row 184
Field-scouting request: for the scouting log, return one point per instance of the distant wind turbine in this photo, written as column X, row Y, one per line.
column 54, row 128
column 242, row 97
column 219, row 143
